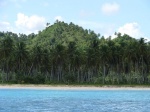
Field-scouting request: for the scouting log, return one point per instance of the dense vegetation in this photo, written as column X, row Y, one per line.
column 66, row 53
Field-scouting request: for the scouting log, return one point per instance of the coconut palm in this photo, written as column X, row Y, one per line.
column 6, row 48
column 21, row 55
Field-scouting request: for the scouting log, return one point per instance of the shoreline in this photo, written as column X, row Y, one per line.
column 71, row 87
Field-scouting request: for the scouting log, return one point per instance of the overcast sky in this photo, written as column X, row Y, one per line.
column 103, row 16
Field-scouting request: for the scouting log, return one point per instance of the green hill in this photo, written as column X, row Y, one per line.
column 63, row 33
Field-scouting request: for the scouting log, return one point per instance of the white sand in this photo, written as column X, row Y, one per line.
column 66, row 87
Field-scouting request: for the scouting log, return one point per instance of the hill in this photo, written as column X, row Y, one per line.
column 63, row 33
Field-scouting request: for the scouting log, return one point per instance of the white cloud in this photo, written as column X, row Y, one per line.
column 132, row 29
column 110, row 8
column 29, row 24
column 104, row 29
column 59, row 18
column 5, row 26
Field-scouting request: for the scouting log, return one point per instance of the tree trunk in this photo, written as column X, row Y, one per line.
column 78, row 78
column 104, row 73
column 51, row 76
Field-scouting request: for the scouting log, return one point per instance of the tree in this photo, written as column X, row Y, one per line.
column 21, row 56
column 142, row 53
column 58, row 60
column 105, row 55
column 6, row 48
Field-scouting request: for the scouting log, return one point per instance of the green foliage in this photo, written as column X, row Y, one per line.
column 36, row 79
column 67, row 53
column 69, row 78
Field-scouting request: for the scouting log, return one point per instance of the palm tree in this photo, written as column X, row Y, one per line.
column 21, row 55
column 142, row 53
column 93, row 54
column 105, row 55
column 70, row 51
column 45, row 61
column 37, row 54
column 58, row 60
column 6, row 48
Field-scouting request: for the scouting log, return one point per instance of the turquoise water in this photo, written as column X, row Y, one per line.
column 28, row 100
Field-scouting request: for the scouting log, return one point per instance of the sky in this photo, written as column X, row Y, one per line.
column 102, row 16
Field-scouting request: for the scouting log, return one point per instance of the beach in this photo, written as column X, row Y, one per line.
column 71, row 87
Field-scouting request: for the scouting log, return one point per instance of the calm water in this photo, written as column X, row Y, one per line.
column 27, row 100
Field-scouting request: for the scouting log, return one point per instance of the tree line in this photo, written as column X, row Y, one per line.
column 67, row 53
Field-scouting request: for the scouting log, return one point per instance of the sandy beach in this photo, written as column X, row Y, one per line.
column 68, row 87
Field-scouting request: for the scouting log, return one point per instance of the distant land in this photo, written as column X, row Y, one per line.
column 68, row 54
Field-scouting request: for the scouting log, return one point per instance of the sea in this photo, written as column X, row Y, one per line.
column 40, row 100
